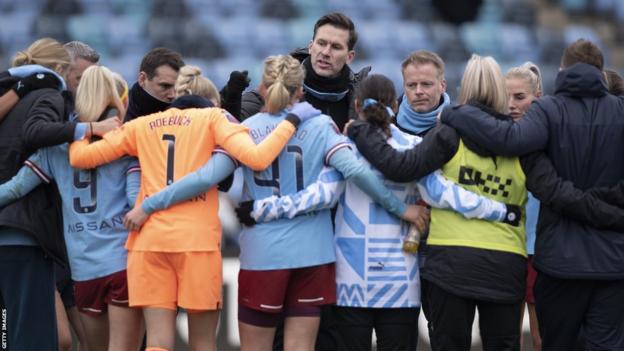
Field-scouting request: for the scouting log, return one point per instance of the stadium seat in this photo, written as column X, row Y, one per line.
column 619, row 11
column 96, row 7
column 271, row 37
column 574, row 6
column 520, row 12
column 380, row 10
column 126, row 33
column 417, row 10
column 282, row 9
column 15, row 28
column 235, row 8
column 352, row 7
column 551, row 44
column 51, row 26
column 195, row 32
column 301, row 31
column 219, row 70
column 376, row 38
column 574, row 32
column 91, row 29
column 173, row 9
column 478, row 38
column 490, row 12
column 235, row 34
column 311, row 10
column 518, row 44
column 448, row 43
column 139, row 7
column 410, row 36
column 61, row 7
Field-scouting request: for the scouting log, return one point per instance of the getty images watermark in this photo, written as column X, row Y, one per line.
column 3, row 330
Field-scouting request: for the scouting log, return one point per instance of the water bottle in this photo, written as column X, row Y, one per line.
column 412, row 240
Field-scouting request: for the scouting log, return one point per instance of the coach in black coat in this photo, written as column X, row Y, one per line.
column 581, row 129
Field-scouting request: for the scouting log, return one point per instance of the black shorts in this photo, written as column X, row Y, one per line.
column 396, row 328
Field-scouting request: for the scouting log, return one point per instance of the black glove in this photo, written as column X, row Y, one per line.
column 226, row 183
column 243, row 212
column 231, row 93
column 238, row 82
column 514, row 213
column 34, row 82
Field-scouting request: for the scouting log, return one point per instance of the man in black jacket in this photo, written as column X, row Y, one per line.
column 580, row 279
column 329, row 84
column 154, row 90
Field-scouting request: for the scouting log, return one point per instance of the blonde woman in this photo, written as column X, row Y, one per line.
column 191, row 82
column 472, row 264
column 93, row 204
column 524, row 85
column 287, row 266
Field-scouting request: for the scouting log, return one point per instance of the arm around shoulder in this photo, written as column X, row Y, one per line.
column 46, row 124
column 437, row 148
column 501, row 137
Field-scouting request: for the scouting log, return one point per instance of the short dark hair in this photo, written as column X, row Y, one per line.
column 584, row 51
column 341, row 21
column 158, row 57
column 615, row 83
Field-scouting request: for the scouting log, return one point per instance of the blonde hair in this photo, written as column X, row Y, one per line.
column 46, row 52
column 191, row 82
column 483, row 82
column 282, row 76
column 529, row 72
column 99, row 88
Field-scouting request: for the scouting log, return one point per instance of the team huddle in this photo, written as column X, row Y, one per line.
column 360, row 207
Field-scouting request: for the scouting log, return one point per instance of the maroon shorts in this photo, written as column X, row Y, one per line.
column 93, row 296
column 530, row 282
column 279, row 290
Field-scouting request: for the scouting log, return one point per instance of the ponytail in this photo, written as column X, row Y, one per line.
column 282, row 77
column 375, row 95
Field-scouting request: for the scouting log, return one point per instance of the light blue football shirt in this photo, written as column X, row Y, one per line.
column 94, row 203
column 305, row 240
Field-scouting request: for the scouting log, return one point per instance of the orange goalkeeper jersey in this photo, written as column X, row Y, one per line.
column 169, row 145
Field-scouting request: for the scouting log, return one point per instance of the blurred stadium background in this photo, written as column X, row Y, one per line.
column 225, row 35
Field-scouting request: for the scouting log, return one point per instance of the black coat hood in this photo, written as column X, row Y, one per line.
column 581, row 80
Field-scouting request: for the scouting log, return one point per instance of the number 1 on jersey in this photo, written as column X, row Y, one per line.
column 170, row 139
